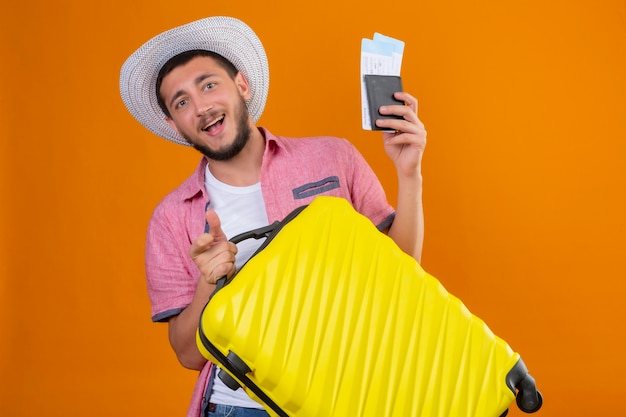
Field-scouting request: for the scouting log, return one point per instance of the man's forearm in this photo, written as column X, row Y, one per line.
column 182, row 329
column 407, row 229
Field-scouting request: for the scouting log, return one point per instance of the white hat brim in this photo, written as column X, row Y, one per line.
column 226, row 36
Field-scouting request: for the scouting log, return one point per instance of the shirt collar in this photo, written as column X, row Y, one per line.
column 194, row 185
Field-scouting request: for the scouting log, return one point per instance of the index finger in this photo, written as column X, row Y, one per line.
column 214, row 226
column 408, row 99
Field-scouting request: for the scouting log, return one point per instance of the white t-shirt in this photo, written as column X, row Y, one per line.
column 240, row 209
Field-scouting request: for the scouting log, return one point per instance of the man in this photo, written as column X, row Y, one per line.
column 204, row 85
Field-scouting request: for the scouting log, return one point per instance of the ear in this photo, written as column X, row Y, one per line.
column 242, row 86
column 172, row 124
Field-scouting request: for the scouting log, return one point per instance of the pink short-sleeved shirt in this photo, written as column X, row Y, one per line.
column 294, row 172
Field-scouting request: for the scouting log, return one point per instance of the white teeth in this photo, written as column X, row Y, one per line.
column 213, row 123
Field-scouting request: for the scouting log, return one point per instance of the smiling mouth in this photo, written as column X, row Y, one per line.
column 214, row 124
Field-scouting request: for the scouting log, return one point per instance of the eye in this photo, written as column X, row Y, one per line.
column 181, row 103
column 209, row 86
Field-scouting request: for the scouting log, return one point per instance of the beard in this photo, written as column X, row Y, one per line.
column 242, row 136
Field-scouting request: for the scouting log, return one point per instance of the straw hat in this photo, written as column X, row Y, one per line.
column 226, row 36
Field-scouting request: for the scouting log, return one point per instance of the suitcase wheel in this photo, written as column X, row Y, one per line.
column 239, row 365
column 529, row 403
column 228, row 380
column 528, row 398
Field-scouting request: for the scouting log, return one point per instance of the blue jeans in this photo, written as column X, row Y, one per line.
column 230, row 411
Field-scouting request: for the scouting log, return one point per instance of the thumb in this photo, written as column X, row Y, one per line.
column 215, row 226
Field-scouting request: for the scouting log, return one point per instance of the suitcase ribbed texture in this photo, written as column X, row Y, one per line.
column 334, row 320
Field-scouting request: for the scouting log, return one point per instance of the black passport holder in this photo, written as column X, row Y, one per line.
column 380, row 89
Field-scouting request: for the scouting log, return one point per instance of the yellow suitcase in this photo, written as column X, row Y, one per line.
column 330, row 318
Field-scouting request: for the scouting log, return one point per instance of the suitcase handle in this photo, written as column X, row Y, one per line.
column 260, row 233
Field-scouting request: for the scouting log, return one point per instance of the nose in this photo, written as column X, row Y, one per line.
column 203, row 107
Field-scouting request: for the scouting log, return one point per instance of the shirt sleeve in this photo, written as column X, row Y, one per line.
column 171, row 274
column 366, row 192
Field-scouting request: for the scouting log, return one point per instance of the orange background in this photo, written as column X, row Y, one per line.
column 524, row 179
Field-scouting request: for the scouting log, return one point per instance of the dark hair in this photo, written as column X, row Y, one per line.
column 182, row 59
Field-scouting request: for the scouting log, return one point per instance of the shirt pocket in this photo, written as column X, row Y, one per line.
column 315, row 188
